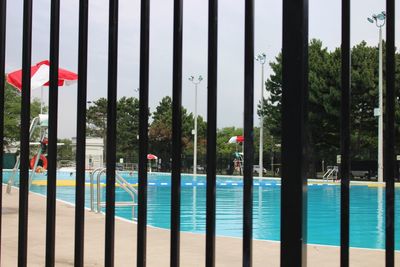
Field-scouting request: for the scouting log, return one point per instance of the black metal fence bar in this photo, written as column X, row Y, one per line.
column 3, row 12
column 176, row 134
column 294, row 133
column 81, row 135
column 248, row 134
column 345, row 136
column 143, row 131
column 24, row 137
column 111, row 132
column 211, row 130
column 52, row 145
column 389, row 133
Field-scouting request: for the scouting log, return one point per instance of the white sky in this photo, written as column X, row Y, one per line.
column 324, row 25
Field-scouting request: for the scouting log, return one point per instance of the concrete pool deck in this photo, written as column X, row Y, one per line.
column 192, row 245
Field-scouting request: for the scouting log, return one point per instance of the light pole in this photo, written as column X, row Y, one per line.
column 379, row 21
column 261, row 59
column 196, row 82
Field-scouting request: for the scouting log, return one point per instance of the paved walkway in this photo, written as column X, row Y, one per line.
column 192, row 245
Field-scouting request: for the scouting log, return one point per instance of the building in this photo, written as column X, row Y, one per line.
column 94, row 152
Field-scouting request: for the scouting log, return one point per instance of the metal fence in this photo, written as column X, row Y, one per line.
column 294, row 131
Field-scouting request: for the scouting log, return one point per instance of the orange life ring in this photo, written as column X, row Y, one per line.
column 44, row 162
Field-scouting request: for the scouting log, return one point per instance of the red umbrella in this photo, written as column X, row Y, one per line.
column 236, row 139
column 40, row 76
column 151, row 156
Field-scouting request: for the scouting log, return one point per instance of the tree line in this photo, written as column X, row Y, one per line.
column 324, row 101
column 324, row 115
column 160, row 133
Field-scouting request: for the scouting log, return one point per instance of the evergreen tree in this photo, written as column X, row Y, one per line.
column 324, row 101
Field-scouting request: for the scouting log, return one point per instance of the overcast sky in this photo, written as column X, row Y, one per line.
column 324, row 25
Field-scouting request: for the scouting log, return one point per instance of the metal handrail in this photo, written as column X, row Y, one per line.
column 92, row 187
column 327, row 174
column 127, row 187
column 99, row 189
column 330, row 172
column 121, row 181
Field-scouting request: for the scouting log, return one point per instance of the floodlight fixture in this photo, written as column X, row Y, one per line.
column 379, row 19
column 261, row 58
column 381, row 16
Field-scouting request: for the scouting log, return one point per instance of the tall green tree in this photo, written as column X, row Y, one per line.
column 12, row 114
column 324, row 100
column 127, row 125
column 160, row 131
column 96, row 118
column 64, row 152
column 128, row 129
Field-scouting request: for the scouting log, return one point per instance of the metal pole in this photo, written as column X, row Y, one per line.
column 294, row 110
column 260, row 171
column 380, row 118
column 92, row 191
column 345, row 136
column 389, row 135
column 272, row 156
column 195, row 133
column 41, row 100
column 261, row 58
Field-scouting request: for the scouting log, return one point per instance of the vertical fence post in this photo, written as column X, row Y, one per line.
column 389, row 133
column 24, row 134
column 294, row 133
column 81, row 135
column 345, row 135
column 211, row 130
column 248, row 134
column 52, row 148
column 143, row 131
column 111, row 132
column 3, row 12
column 176, row 134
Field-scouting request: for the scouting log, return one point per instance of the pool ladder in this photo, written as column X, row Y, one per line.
column 332, row 173
column 120, row 181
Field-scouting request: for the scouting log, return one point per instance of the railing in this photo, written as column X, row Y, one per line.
column 91, row 182
column 331, row 172
column 294, row 131
column 126, row 186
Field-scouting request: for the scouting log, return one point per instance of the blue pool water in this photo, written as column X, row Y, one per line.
column 367, row 209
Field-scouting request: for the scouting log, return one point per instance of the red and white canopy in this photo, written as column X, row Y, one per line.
column 40, row 76
column 151, row 156
column 236, row 139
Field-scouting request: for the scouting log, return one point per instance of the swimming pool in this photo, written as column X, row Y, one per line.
column 367, row 209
